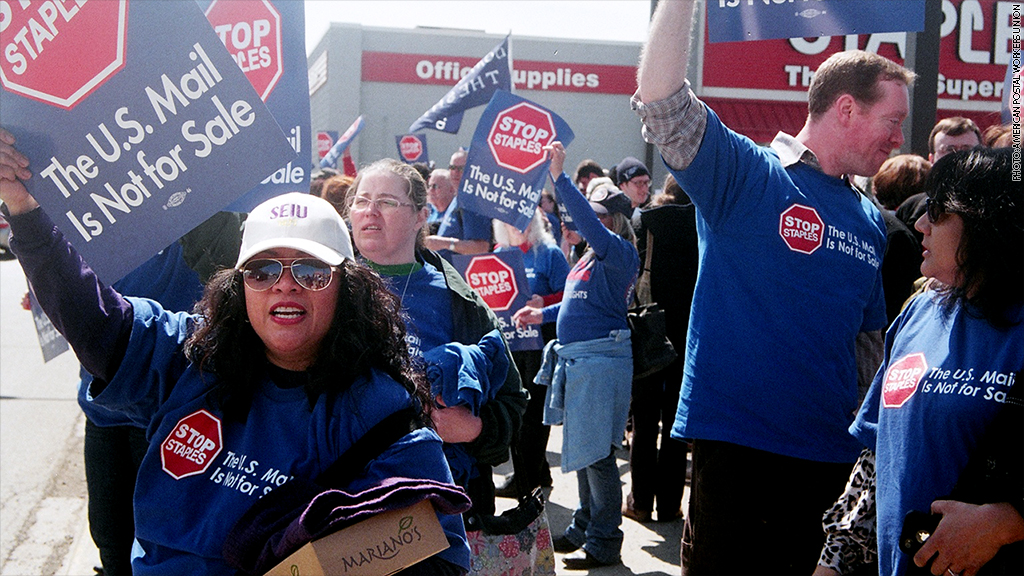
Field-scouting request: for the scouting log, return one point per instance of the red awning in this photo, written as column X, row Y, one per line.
column 760, row 120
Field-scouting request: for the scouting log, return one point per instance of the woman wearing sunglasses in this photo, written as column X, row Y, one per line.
column 942, row 420
column 594, row 359
column 388, row 211
column 290, row 358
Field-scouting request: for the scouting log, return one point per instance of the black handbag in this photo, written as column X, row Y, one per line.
column 652, row 350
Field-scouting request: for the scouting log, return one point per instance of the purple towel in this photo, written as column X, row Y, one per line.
column 271, row 535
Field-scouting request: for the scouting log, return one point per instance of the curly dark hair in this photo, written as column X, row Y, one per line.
column 367, row 332
column 977, row 185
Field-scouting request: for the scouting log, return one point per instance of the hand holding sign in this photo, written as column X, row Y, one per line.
column 14, row 169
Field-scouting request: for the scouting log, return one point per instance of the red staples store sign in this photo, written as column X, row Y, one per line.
column 974, row 49
column 527, row 75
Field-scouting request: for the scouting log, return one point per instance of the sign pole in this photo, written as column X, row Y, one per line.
column 923, row 59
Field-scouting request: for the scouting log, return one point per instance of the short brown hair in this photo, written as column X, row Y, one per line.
column 899, row 178
column 997, row 136
column 853, row 72
column 954, row 126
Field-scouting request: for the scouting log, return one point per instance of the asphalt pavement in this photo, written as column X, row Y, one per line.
column 43, row 523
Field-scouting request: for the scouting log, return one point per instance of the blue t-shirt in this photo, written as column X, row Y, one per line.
column 203, row 470
column 166, row 278
column 427, row 305
column 463, row 224
column 943, row 378
column 789, row 275
column 599, row 288
column 546, row 268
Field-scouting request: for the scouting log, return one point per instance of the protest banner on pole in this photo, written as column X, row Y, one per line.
column 267, row 39
column 500, row 279
column 507, row 164
column 128, row 160
column 342, row 143
column 742, row 20
column 412, row 148
column 493, row 72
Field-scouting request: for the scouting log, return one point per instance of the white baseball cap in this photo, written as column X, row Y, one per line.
column 296, row 220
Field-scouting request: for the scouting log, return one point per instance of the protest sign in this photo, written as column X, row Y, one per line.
column 507, row 165
column 130, row 163
column 51, row 343
column 331, row 159
column 493, row 72
column 325, row 140
column 500, row 279
column 267, row 39
column 412, row 148
column 740, row 20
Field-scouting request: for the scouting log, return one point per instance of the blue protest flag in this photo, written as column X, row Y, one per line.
column 507, row 164
column 741, row 20
column 331, row 159
column 493, row 72
column 412, row 148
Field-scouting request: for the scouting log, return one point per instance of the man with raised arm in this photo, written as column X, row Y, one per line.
column 789, row 275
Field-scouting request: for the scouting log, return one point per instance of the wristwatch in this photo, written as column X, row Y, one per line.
column 451, row 245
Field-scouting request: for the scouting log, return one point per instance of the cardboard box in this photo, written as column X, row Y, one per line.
column 377, row 546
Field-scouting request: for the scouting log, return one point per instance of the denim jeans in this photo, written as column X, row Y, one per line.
column 595, row 524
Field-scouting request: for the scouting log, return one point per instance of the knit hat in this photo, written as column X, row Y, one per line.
column 607, row 199
column 300, row 221
column 628, row 169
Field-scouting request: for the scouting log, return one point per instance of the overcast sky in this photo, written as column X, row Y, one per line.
column 624, row 20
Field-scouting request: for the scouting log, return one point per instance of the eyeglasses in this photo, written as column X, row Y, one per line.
column 950, row 148
column 362, row 203
column 456, row 168
column 263, row 273
column 934, row 210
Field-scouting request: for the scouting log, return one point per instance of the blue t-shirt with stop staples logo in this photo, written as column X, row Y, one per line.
column 944, row 376
column 789, row 275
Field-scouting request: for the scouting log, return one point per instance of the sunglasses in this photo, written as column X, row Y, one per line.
column 934, row 210
column 312, row 274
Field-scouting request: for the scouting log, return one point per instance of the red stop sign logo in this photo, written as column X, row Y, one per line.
column 323, row 143
column 59, row 52
column 411, row 148
column 801, row 228
column 902, row 378
column 519, row 135
column 192, row 445
column 493, row 280
column 251, row 31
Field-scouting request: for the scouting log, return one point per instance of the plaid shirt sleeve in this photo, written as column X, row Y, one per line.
column 675, row 125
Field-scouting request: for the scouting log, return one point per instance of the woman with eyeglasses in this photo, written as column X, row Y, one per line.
column 388, row 211
column 289, row 359
column 589, row 368
column 942, row 420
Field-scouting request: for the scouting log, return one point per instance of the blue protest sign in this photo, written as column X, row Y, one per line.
column 507, row 164
column 412, row 148
column 740, row 20
column 172, row 136
column 331, row 159
column 267, row 39
column 51, row 342
column 493, row 72
column 500, row 279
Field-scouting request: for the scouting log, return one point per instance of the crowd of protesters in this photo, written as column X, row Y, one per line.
column 847, row 357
